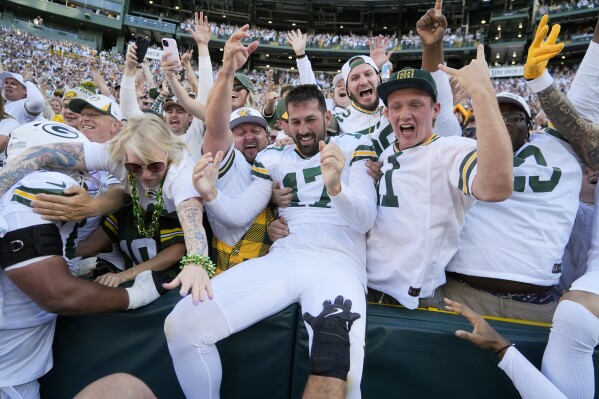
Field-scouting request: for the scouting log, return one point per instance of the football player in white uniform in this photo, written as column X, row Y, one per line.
column 332, row 208
column 35, row 283
column 429, row 182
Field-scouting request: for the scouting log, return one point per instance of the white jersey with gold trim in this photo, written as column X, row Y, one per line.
column 21, row 320
column 424, row 194
column 373, row 124
column 523, row 238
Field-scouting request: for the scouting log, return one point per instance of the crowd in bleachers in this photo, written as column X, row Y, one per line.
column 62, row 65
column 455, row 37
column 551, row 7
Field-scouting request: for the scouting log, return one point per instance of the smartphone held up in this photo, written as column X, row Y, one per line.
column 172, row 52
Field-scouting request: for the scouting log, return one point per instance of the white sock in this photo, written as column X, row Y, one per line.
column 191, row 333
column 568, row 358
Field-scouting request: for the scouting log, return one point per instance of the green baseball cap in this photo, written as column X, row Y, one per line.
column 408, row 78
column 245, row 81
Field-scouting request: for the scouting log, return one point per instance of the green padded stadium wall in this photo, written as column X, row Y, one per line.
column 410, row 354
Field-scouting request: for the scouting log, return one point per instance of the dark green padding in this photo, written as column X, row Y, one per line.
column 410, row 354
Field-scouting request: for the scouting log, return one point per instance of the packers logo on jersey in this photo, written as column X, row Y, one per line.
column 60, row 130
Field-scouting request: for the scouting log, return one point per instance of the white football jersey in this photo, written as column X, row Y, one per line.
column 311, row 203
column 374, row 124
column 283, row 163
column 21, row 320
column 424, row 194
column 523, row 238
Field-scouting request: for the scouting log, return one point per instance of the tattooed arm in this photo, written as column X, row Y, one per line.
column 582, row 134
column 52, row 156
column 193, row 277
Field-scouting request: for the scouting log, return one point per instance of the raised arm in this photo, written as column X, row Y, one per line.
column 297, row 40
column 201, row 35
column 192, row 106
column 431, row 29
column 218, row 136
column 581, row 133
column 189, row 72
column 51, row 156
column 129, row 104
column 495, row 173
column 99, row 79
column 35, row 102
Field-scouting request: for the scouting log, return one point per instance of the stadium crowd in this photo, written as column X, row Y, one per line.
column 319, row 213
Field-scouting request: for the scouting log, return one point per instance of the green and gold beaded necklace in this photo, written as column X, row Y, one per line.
column 138, row 211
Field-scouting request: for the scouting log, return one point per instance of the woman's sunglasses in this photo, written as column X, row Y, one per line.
column 154, row 167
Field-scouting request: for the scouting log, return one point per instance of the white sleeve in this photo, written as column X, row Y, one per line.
column 446, row 123
column 356, row 203
column 205, row 78
column 237, row 212
column 97, row 157
column 129, row 105
column 584, row 91
column 180, row 185
column 528, row 380
column 35, row 102
column 7, row 125
column 306, row 74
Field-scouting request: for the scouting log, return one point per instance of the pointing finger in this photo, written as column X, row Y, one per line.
column 438, row 6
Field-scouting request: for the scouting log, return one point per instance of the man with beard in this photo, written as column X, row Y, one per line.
column 333, row 206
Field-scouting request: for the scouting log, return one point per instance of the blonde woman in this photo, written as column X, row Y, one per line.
column 147, row 229
column 156, row 170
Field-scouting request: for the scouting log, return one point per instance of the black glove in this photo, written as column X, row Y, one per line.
column 330, row 343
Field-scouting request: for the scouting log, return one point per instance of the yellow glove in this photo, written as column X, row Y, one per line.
column 540, row 52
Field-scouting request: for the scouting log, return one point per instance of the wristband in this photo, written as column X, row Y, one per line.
column 504, row 348
column 200, row 260
column 300, row 56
